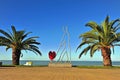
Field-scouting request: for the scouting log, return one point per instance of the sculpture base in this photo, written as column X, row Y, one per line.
column 58, row 64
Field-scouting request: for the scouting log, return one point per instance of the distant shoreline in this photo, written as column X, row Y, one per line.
column 74, row 63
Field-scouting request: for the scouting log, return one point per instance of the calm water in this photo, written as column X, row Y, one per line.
column 74, row 63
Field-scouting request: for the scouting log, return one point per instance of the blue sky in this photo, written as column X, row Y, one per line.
column 46, row 18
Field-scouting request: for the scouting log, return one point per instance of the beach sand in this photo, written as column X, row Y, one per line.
column 48, row 73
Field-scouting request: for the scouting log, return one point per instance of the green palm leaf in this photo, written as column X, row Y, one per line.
column 85, row 50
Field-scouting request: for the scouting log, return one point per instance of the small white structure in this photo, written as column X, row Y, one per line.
column 28, row 63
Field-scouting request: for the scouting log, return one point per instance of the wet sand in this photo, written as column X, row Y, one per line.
column 47, row 73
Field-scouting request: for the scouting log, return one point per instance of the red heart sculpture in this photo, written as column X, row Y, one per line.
column 52, row 55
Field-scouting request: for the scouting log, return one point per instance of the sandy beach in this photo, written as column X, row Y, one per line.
column 47, row 73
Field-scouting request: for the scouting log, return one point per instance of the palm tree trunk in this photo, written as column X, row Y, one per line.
column 15, row 56
column 106, row 53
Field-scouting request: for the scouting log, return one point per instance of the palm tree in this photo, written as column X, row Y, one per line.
column 17, row 41
column 102, row 37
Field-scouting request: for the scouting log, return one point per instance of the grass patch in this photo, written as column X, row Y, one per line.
column 7, row 66
column 81, row 67
column 99, row 67
column 23, row 66
column 31, row 66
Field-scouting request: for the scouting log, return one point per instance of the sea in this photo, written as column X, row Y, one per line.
column 74, row 63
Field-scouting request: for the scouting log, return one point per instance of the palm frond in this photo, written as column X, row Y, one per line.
column 90, row 34
column 8, row 47
column 30, row 40
column 36, row 51
column 5, row 34
column 117, row 27
column 96, row 29
column 112, row 46
column 83, row 43
column 25, row 35
column 33, row 46
column 114, row 21
column 92, row 24
column 85, row 50
column 105, row 26
column 14, row 30
column 116, row 45
column 94, row 48
column 4, row 40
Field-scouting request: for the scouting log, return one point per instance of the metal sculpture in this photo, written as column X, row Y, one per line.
column 63, row 53
column 64, row 49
